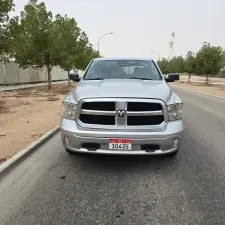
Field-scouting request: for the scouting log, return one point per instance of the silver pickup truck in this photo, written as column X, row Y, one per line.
column 122, row 106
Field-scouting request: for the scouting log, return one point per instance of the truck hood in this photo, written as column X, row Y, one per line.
column 117, row 88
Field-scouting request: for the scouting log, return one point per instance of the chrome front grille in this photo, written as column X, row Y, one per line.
column 121, row 113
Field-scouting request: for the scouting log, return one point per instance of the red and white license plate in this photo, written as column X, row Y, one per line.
column 120, row 144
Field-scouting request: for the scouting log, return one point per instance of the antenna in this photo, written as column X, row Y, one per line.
column 171, row 43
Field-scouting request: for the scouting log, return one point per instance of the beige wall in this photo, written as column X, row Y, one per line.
column 1, row 74
column 16, row 75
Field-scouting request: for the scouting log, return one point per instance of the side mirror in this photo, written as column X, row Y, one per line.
column 174, row 76
column 169, row 80
column 74, row 77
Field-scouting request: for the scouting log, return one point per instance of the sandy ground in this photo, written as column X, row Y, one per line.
column 198, row 79
column 214, row 90
column 27, row 114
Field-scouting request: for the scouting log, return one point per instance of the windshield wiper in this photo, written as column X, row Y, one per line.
column 97, row 78
column 140, row 78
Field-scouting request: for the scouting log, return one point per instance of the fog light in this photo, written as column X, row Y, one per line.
column 175, row 142
column 66, row 140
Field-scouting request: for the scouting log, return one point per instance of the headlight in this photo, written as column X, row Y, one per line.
column 175, row 111
column 68, row 110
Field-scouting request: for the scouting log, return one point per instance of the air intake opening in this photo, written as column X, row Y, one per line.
column 91, row 146
column 150, row 148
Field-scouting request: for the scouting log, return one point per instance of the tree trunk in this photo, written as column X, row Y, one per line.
column 49, row 78
column 69, row 77
column 189, row 77
column 207, row 79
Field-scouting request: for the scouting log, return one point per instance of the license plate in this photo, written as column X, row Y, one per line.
column 120, row 144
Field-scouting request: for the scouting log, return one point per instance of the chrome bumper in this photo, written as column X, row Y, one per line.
column 76, row 136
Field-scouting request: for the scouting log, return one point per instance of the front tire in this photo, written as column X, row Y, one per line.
column 173, row 154
column 70, row 152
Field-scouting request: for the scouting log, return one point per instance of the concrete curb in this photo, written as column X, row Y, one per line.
column 20, row 156
column 199, row 92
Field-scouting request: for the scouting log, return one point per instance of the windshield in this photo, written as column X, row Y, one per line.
column 123, row 69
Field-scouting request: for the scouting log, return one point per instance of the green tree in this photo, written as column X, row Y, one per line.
column 5, row 7
column 163, row 65
column 179, row 64
column 190, row 64
column 68, row 37
column 209, row 60
column 223, row 60
column 176, row 64
column 85, row 52
column 89, row 54
column 35, row 39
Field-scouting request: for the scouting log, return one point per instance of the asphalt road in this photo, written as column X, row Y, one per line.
column 51, row 187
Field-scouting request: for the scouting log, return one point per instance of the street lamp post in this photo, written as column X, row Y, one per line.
column 102, row 37
column 156, row 53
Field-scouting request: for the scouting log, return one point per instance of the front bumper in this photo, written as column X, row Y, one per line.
column 76, row 136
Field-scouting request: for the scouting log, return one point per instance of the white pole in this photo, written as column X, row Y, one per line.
column 157, row 54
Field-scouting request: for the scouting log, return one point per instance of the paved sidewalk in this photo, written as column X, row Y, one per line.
column 23, row 86
column 210, row 83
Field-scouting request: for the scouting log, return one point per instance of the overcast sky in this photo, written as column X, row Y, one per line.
column 142, row 25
